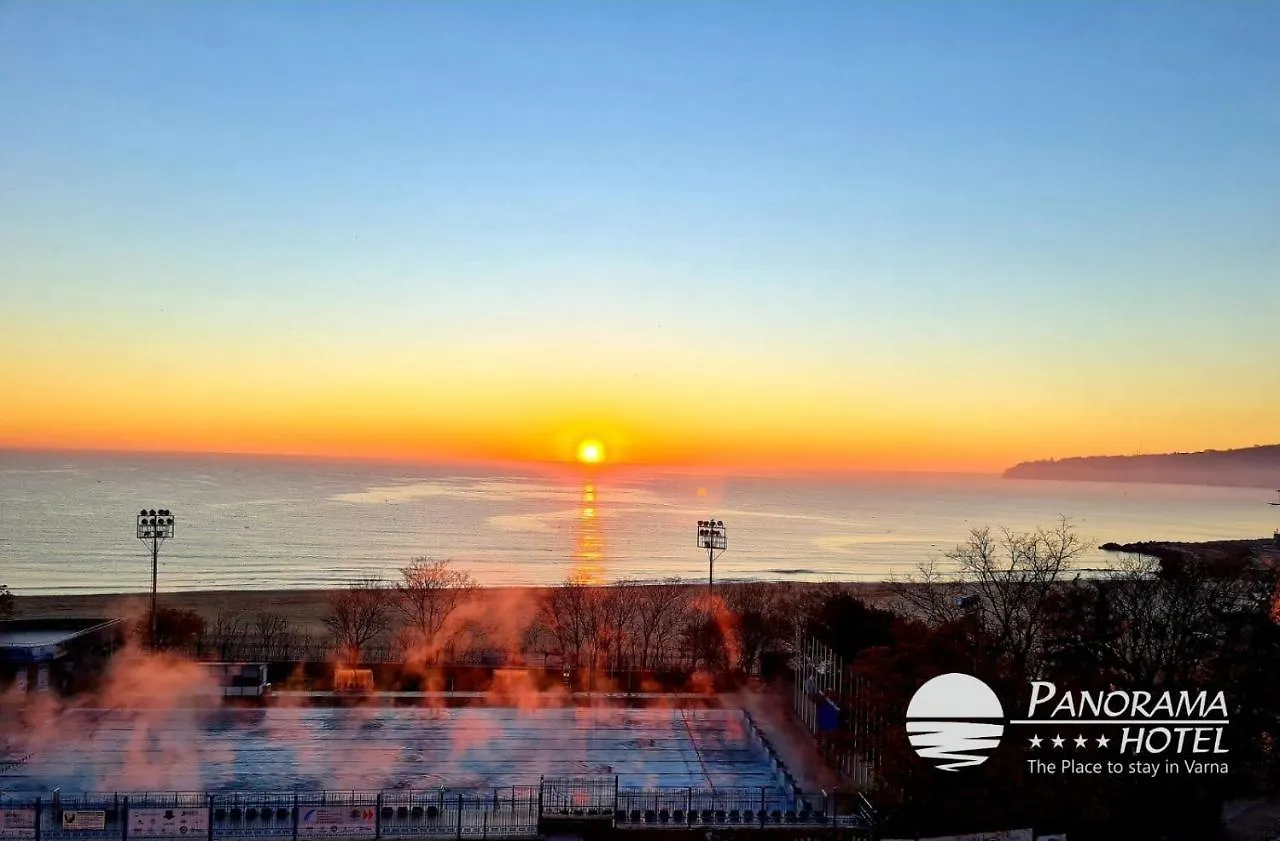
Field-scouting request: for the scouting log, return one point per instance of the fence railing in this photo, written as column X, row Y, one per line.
column 503, row 812
column 762, row 808
column 390, row 654
column 831, row 702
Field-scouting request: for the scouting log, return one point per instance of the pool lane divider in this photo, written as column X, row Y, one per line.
column 696, row 751
column 786, row 781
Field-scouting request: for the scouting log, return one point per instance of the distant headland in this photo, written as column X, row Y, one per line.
column 1250, row 467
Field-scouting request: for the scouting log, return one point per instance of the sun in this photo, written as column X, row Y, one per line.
column 590, row 451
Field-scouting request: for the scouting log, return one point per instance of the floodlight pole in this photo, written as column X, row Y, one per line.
column 155, row 526
column 1276, row 537
column 712, row 537
column 971, row 605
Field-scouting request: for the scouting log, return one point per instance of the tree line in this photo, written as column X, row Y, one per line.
column 1011, row 608
column 434, row 614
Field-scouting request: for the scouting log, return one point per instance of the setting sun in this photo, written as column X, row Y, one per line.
column 590, row 451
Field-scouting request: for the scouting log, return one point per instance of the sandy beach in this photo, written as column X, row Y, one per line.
column 304, row 609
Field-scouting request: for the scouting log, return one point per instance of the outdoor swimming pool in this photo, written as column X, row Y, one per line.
column 280, row 749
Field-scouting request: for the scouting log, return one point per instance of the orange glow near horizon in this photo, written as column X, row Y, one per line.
column 819, row 454
column 792, row 420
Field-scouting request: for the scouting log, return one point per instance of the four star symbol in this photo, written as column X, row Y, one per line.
column 1081, row 742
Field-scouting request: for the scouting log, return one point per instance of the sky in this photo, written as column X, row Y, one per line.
column 779, row 235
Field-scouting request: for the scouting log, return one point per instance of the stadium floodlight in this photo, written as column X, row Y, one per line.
column 970, row 604
column 153, row 527
column 1277, row 534
column 713, row 538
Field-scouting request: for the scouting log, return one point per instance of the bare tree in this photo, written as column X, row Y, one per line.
column 358, row 614
column 1148, row 623
column 659, row 617
column 302, row 644
column 226, row 633
column 567, row 615
column 1013, row 576
column 760, row 619
column 270, row 634
column 704, row 642
column 7, row 608
column 426, row 594
column 623, row 625
column 617, row 608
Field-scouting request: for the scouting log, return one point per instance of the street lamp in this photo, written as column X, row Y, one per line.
column 153, row 527
column 712, row 537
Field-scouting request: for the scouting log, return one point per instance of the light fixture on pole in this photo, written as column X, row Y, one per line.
column 970, row 604
column 1276, row 537
column 712, row 537
column 153, row 527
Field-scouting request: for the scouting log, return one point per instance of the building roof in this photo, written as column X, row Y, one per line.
column 36, row 640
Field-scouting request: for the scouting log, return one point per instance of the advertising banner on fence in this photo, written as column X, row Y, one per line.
column 167, row 823
column 82, row 820
column 17, row 823
column 335, row 821
column 1006, row 835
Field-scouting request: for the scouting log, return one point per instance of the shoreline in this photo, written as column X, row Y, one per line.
column 305, row 609
column 307, row 605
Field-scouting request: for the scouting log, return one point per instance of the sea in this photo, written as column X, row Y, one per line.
column 68, row 521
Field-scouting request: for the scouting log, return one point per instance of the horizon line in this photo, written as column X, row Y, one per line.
column 736, row 470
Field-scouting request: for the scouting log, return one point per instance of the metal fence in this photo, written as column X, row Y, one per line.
column 506, row 812
column 579, row 796
column 757, row 808
column 847, row 740
column 509, row 812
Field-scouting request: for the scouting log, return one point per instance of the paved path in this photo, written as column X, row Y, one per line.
column 791, row 742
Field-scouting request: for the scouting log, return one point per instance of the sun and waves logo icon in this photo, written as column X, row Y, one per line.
column 954, row 720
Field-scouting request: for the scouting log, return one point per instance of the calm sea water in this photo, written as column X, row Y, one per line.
column 67, row 521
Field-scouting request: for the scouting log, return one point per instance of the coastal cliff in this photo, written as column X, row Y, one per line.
column 1250, row 467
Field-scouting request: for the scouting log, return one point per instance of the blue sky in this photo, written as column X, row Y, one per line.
column 1008, row 198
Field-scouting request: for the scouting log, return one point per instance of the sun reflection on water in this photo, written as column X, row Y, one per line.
column 588, row 550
